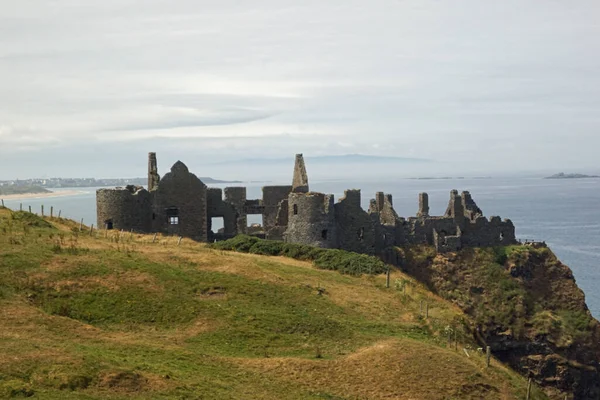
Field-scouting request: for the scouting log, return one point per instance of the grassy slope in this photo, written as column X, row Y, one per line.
column 91, row 317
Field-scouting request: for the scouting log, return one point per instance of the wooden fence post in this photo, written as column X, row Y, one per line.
column 81, row 225
column 59, row 211
column 179, row 241
column 2, row 202
column 529, row 390
column 154, row 238
column 51, row 211
column 91, row 229
column 20, row 206
column 42, row 211
column 29, row 209
column 387, row 278
column 488, row 356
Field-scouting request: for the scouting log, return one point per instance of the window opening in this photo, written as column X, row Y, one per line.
column 295, row 209
column 324, row 233
column 108, row 224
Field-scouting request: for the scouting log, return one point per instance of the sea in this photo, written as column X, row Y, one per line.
column 565, row 213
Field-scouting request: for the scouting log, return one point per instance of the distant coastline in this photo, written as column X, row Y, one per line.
column 52, row 183
column 562, row 175
column 48, row 193
column 18, row 190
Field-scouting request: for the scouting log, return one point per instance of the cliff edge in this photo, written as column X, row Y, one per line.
column 525, row 305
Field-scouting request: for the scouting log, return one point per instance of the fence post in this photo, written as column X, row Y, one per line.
column 529, row 389
column 51, row 211
column 488, row 355
column 81, row 225
column 42, row 211
column 2, row 202
column 20, row 206
column 91, row 229
column 59, row 211
column 154, row 238
column 387, row 278
column 29, row 209
column 179, row 241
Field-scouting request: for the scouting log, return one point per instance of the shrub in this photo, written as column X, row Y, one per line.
column 331, row 259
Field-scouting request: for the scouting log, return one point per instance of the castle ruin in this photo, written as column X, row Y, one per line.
column 179, row 203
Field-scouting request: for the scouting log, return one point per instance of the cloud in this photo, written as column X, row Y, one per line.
column 451, row 82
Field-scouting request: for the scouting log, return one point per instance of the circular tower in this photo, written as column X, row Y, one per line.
column 124, row 208
column 311, row 220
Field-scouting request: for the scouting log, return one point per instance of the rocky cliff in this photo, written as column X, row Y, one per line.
column 525, row 304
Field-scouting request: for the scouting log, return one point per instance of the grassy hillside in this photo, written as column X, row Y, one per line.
column 115, row 316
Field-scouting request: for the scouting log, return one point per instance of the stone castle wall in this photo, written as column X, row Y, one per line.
column 311, row 220
column 294, row 214
column 128, row 208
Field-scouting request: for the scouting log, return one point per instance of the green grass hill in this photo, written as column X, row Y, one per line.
column 112, row 315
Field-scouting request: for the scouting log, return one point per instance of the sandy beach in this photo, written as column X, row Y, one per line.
column 39, row 195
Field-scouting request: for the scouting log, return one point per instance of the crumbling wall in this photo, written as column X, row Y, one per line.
column 485, row 233
column 445, row 244
column 355, row 229
column 216, row 207
column 472, row 211
column 300, row 179
column 273, row 197
column 423, row 206
column 183, row 196
column 236, row 196
column 153, row 177
column 124, row 208
column 311, row 220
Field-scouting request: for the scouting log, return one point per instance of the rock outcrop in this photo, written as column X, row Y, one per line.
column 525, row 304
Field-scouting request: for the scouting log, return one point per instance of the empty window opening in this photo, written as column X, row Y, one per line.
column 255, row 221
column 172, row 215
column 216, row 224
column 295, row 209
column 108, row 224
column 324, row 234
column 361, row 234
column 153, row 216
column 501, row 236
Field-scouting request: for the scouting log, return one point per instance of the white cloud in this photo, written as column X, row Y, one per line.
column 466, row 81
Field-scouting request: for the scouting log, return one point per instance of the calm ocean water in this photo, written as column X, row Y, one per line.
column 564, row 213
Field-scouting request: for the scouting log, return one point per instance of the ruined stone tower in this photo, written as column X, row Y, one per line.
column 153, row 177
column 423, row 205
column 300, row 181
column 311, row 220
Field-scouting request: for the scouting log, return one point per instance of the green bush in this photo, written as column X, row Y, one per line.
column 331, row 259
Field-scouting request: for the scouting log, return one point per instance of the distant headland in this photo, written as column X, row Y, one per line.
column 562, row 175
column 43, row 183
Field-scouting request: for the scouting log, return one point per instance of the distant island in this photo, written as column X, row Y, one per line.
column 449, row 177
column 562, row 175
column 28, row 184
column 11, row 190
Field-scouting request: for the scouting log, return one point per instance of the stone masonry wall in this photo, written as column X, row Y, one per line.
column 126, row 208
column 181, row 191
column 311, row 220
column 355, row 229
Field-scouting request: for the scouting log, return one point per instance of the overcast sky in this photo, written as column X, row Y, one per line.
column 88, row 87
